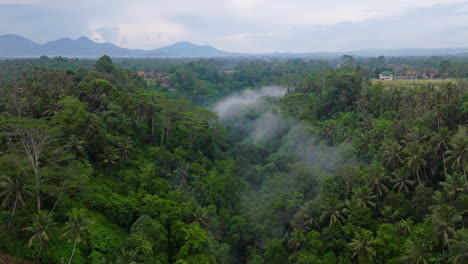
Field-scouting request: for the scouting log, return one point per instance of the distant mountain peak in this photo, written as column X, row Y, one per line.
column 84, row 39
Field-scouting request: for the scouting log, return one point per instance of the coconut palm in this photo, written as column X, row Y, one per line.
column 441, row 142
column 75, row 146
column 442, row 197
column 296, row 239
column 76, row 228
column 200, row 214
column 333, row 214
column 457, row 154
column 42, row 224
column 12, row 191
column 363, row 246
column 388, row 213
column 404, row 226
column 459, row 247
column 378, row 179
column 444, row 219
column 392, row 154
column 455, row 184
column 401, row 181
column 305, row 217
column 448, row 93
column 127, row 257
column 124, row 148
column 415, row 253
column 110, row 157
column 415, row 161
column 364, row 196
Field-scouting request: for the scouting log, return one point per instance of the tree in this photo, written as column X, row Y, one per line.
column 441, row 142
column 76, row 228
column 13, row 193
column 364, row 196
column 415, row 161
column 332, row 214
column 35, row 139
column 296, row 239
column 459, row 247
column 104, row 65
column 455, row 184
column 305, row 217
column 444, row 219
column 126, row 257
column 392, row 154
column 415, row 253
column 42, row 224
column 378, row 179
column 457, row 154
column 401, row 181
column 362, row 246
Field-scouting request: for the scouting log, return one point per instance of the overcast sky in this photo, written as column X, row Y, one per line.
column 244, row 25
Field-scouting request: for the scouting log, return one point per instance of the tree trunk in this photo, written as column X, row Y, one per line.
column 417, row 174
column 73, row 251
column 38, row 192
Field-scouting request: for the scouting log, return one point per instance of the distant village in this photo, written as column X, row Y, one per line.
column 404, row 72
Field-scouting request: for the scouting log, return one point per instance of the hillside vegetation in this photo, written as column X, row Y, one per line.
column 98, row 165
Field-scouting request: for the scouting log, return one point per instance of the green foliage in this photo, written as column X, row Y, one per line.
column 351, row 171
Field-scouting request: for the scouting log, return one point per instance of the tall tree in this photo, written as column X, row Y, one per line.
column 444, row 219
column 42, row 224
column 362, row 246
column 76, row 228
column 34, row 138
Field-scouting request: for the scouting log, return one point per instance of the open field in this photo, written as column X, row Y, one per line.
column 414, row 83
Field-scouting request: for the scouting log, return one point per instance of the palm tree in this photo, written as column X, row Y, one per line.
column 124, row 147
column 200, row 214
column 42, row 224
column 457, row 154
column 296, row 239
column 332, row 214
column 392, row 154
column 76, row 228
column 378, row 179
column 415, row 160
column 305, row 217
column 401, row 182
column 444, row 219
column 455, row 184
column 363, row 246
column 364, row 196
column 388, row 213
column 415, row 253
column 442, row 197
column 75, row 146
column 127, row 257
column 440, row 140
column 404, row 226
column 13, row 193
column 448, row 93
column 110, row 157
column 459, row 247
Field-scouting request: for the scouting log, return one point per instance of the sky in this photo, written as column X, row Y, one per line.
column 254, row 26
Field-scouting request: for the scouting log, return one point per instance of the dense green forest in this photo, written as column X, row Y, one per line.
column 98, row 165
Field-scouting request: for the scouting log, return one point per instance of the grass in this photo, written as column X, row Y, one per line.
column 413, row 83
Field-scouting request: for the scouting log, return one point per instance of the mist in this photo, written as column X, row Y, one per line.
column 297, row 159
column 235, row 104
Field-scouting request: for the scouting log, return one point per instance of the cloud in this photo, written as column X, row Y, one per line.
column 18, row 2
column 243, row 25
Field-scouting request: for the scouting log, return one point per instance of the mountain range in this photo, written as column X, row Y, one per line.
column 18, row 46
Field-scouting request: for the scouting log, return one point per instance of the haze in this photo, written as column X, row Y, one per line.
column 244, row 25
